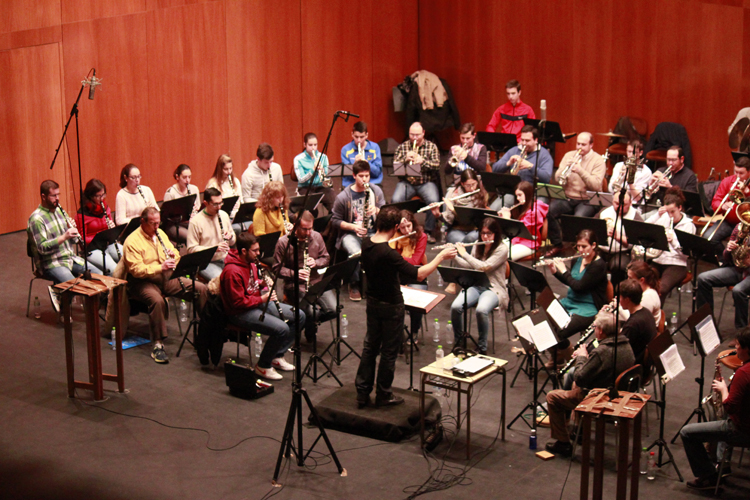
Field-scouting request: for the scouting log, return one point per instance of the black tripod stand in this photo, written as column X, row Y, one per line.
column 311, row 297
column 466, row 278
column 192, row 264
column 533, row 354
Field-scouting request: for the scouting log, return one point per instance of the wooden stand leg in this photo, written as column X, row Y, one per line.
column 585, row 456
column 597, row 493
column 69, row 362
column 622, row 459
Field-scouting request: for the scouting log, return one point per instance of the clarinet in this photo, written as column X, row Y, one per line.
column 69, row 221
column 142, row 195
column 365, row 207
column 287, row 225
column 110, row 225
column 169, row 255
column 194, row 211
column 231, row 183
column 221, row 228
column 584, row 337
column 305, row 266
column 269, row 283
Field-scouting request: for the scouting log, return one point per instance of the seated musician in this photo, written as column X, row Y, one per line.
column 469, row 182
column 180, row 189
column 593, row 370
column 133, row 196
column 98, row 218
column 538, row 162
column 244, row 294
column 736, row 181
column 311, row 244
column 412, row 249
column 672, row 265
column 260, row 172
column 149, row 259
column 734, row 429
column 734, row 273
column 617, row 251
column 634, row 149
column 587, row 290
column 490, row 257
column 361, row 148
column 211, row 228
column 272, row 211
column 639, row 328
column 580, row 173
column 424, row 155
column 469, row 154
column 679, row 175
column 224, row 180
column 533, row 219
column 304, row 167
column 648, row 277
column 350, row 216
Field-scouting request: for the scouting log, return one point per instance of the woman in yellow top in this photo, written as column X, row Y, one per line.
column 272, row 210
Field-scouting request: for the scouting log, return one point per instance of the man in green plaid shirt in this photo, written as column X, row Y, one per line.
column 54, row 250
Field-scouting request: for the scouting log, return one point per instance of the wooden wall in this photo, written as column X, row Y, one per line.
column 187, row 80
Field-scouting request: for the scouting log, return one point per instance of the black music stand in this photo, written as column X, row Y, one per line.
column 411, row 205
column 695, row 320
column 497, row 141
column 403, row 169
column 410, row 334
column 295, row 203
column 466, row 278
column 537, row 316
column 320, row 223
column 341, row 273
column 267, row 244
column 696, row 248
column 190, row 265
column 244, row 213
column 550, row 191
column 693, row 204
column 571, row 225
column 228, row 203
column 466, row 216
column 134, row 224
column 599, row 199
column 549, row 132
column 340, row 170
column 646, row 235
column 103, row 239
column 178, row 210
column 512, row 228
column 535, row 282
column 311, row 297
column 655, row 348
column 500, row 183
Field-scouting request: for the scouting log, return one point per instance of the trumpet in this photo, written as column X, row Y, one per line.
column 523, row 152
column 456, row 158
column 467, row 245
column 440, row 203
column 563, row 178
column 654, row 186
column 325, row 181
column 544, row 262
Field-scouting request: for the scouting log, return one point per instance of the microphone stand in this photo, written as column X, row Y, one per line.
column 74, row 112
column 298, row 392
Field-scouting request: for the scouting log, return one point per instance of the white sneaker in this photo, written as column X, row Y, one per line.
column 54, row 298
column 268, row 373
column 282, row 365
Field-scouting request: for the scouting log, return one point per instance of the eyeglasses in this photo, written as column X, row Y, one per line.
column 134, row 177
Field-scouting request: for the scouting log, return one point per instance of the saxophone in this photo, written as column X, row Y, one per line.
column 366, row 209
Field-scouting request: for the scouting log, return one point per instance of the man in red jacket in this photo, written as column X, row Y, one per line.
column 740, row 177
column 508, row 118
column 243, row 295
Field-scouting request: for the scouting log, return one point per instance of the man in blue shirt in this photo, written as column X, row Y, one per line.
column 530, row 139
column 362, row 149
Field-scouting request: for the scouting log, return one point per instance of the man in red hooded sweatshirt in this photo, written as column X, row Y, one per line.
column 243, row 295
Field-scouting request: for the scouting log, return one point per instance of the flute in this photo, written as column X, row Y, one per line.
column 544, row 262
column 440, row 203
column 467, row 245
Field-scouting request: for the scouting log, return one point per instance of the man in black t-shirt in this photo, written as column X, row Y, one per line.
column 385, row 307
column 640, row 328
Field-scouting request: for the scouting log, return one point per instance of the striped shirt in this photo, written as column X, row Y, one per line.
column 44, row 228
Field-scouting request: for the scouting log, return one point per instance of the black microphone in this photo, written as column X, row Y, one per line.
column 347, row 114
column 92, row 86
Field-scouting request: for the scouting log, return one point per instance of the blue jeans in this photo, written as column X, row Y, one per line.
column 509, row 199
column 485, row 301
column 721, row 277
column 695, row 435
column 458, row 236
column 280, row 334
column 428, row 192
column 62, row 274
column 560, row 207
column 351, row 243
column 212, row 270
column 107, row 260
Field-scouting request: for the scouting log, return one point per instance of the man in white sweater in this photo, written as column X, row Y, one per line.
column 260, row 172
column 210, row 228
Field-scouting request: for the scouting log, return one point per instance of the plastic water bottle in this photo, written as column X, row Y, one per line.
column 258, row 345
column 644, row 460
column 440, row 280
column 449, row 332
column 651, row 473
column 673, row 323
column 439, row 355
column 37, row 308
column 183, row 314
column 436, row 336
column 532, row 440
column 114, row 339
column 344, row 327
column 443, row 232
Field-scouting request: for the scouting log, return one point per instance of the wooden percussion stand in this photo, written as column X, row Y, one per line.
column 90, row 291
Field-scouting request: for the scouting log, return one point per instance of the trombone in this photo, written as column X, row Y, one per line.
column 736, row 194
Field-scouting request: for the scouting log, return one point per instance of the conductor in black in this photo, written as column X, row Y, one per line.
column 385, row 307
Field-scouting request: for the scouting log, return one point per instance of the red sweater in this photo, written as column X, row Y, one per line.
column 737, row 404
column 510, row 118
column 94, row 224
column 240, row 287
column 726, row 183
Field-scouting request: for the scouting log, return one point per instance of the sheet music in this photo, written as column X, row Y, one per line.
column 543, row 336
column 672, row 362
column 708, row 335
column 523, row 326
column 558, row 314
column 417, row 298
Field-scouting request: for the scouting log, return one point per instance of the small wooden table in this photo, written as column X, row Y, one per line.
column 90, row 291
column 628, row 407
column 462, row 385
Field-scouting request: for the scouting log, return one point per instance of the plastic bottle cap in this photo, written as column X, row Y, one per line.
column 183, row 301
column 440, row 347
column 436, row 320
column 450, row 322
column 652, row 453
column 344, row 315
